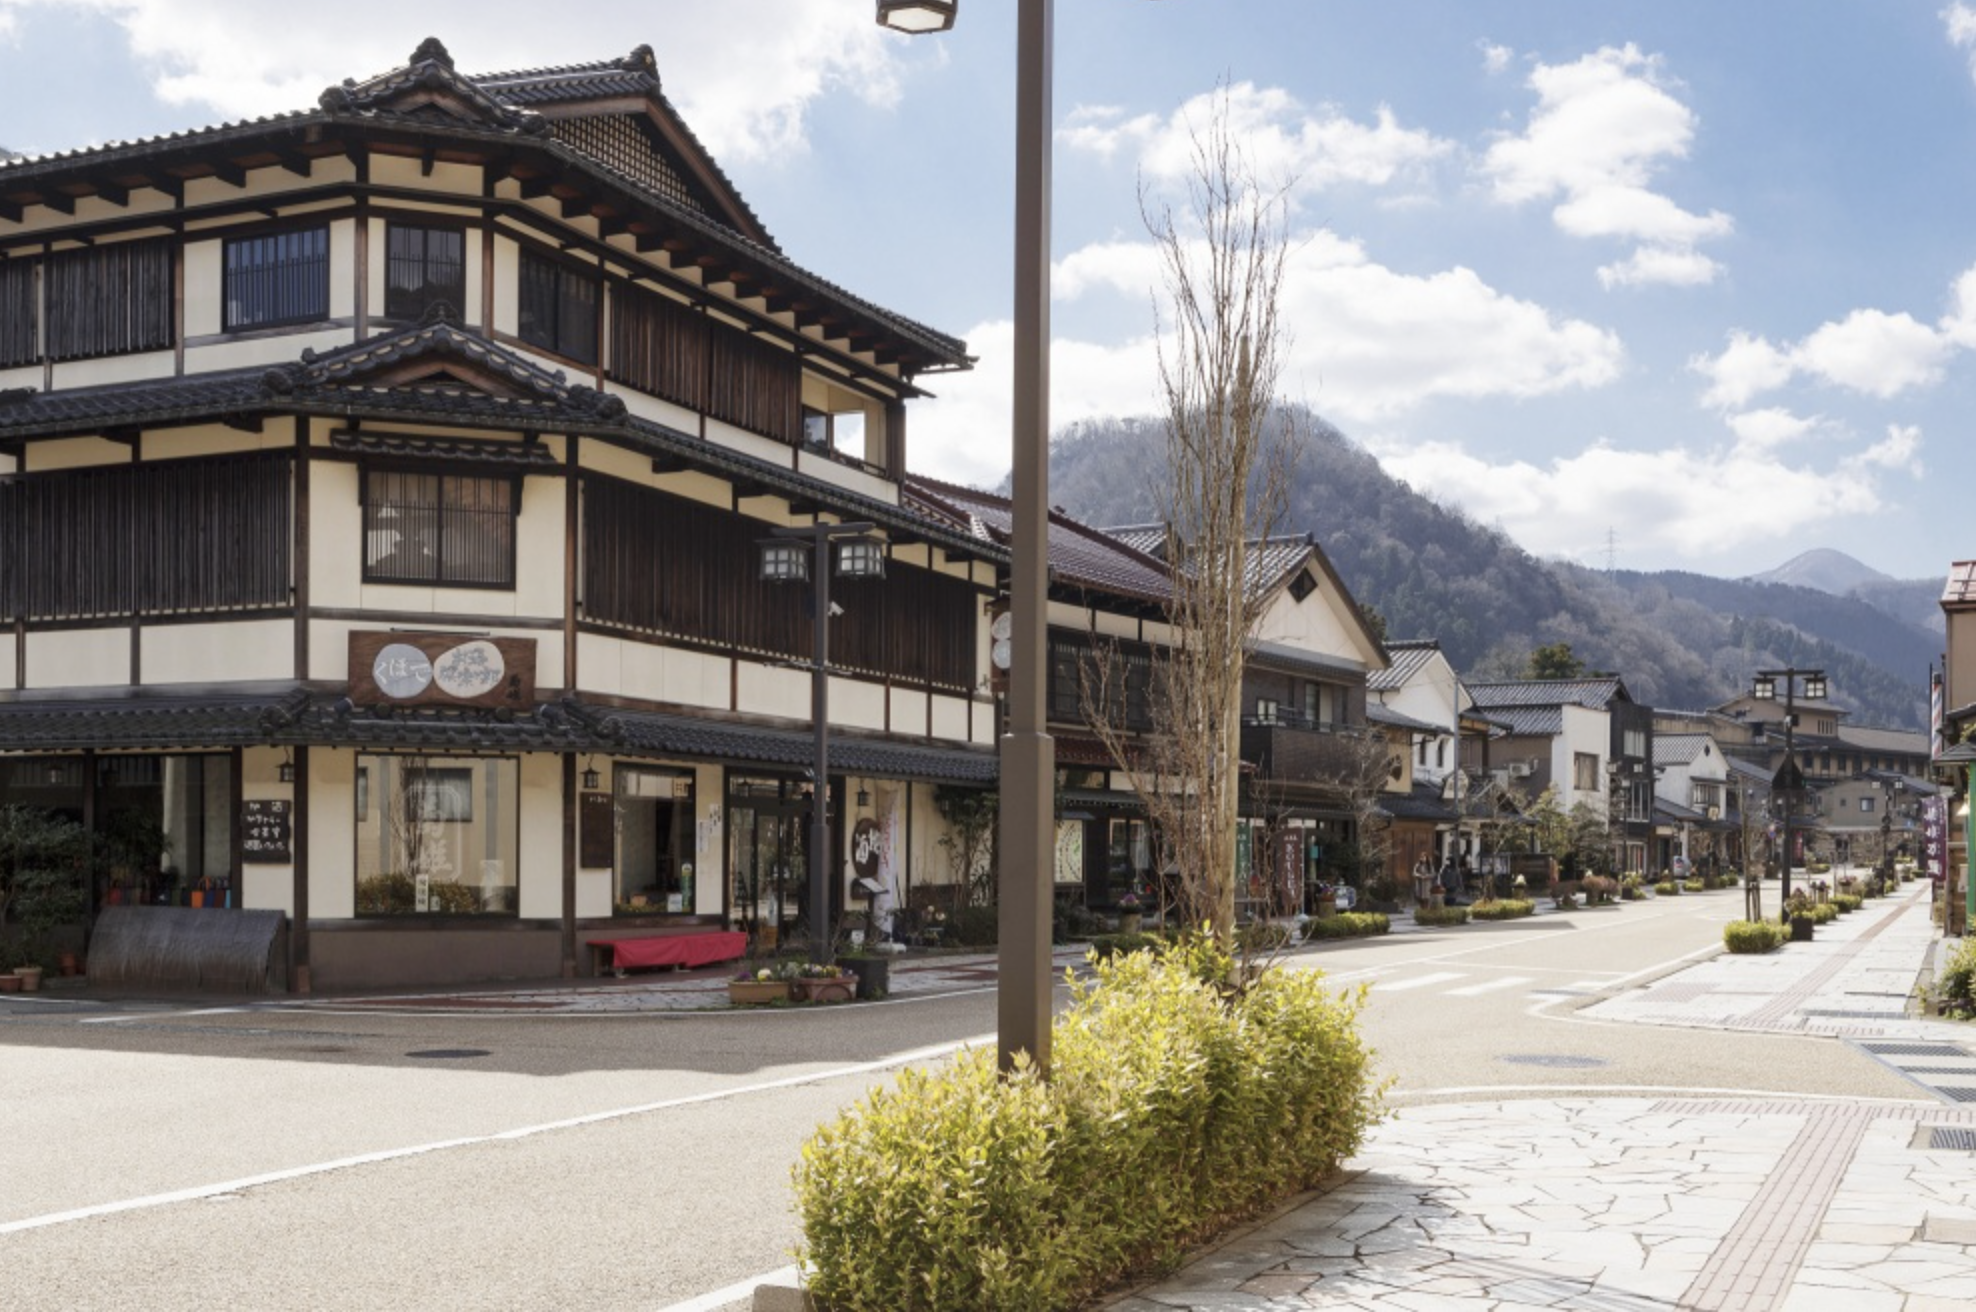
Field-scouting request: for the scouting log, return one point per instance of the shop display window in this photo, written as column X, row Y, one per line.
column 436, row 835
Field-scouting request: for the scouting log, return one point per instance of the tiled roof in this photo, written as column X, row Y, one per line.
column 1422, row 803
column 1149, row 538
column 1379, row 714
column 1905, row 742
column 453, row 450
column 1529, row 721
column 1079, row 554
column 158, row 722
column 674, row 735
column 1282, row 656
column 1409, row 659
column 1962, row 582
column 1679, row 748
column 1593, row 694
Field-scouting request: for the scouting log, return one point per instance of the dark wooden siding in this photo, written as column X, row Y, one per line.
column 755, row 386
column 110, row 300
column 1078, row 668
column 17, row 335
column 173, row 537
column 659, row 346
column 659, row 564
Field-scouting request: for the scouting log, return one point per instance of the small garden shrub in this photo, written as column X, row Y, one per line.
column 1957, row 982
column 1598, row 890
column 974, row 927
column 1509, row 908
column 1824, row 912
column 1632, row 886
column 1753, row 935
column 1105, row 946
column 1263, row 936
column 1694, row 886
column 1348, row 924
column 1173, row 1109
column 1440, row 916
column 1712, row 882
column 1846, row 902
column 1667, row 888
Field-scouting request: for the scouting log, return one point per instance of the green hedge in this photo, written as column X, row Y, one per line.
column 1957, row 982
column 1347, row 924
column 1753, row 935
column 1846, row 902
column 1667, row 888
column 1824, row 913
column 1441, row 916
column 1172, row 1110
column 1502, row 909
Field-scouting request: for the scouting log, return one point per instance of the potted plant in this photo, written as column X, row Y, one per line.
column 757, row 986
column 814, row 982
column 1129, row 909
column 872, row 970
column 1797, row 909
column 41, row 877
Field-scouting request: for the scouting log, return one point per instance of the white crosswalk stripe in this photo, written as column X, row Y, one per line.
column 1417, row 982
column 1489, row 986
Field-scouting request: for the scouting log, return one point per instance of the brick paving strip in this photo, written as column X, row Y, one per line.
column 1755, row 1266
column 1786, row 1004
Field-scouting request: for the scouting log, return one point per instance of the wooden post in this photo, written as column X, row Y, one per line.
column 569, row 865
column 298, row 934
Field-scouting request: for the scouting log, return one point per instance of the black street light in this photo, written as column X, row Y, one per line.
column 797, row 554
column 1789, row 780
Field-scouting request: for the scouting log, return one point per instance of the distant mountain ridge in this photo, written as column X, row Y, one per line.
column 1679, row 640
column 1824, row 569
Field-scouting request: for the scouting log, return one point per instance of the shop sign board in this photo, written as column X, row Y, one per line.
column 456, row 669
column 266, row 831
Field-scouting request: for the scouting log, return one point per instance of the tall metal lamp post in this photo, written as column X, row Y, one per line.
column 799, row 554
column 1789, row 780
column 1026, row 840
column 1890, row 794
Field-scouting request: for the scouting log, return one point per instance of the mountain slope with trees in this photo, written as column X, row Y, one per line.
column 1678, row 640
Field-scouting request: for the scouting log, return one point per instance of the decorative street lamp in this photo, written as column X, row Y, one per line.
column 1789, row 780
column 1890, row 790
column 1026, row 840
column 796, row 555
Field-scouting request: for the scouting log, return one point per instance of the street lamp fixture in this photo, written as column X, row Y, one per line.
column 917, row 17
column 1789, row 780
column 796, row 554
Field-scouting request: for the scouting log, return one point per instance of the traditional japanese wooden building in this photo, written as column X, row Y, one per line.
column 380, row 537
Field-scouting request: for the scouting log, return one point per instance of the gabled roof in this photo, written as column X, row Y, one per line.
column 1905, row 742
column 1595, row 694
column 1379, row 714
column 1080, row 555
column 1680, row 748
column 1529, row 721
column 1410, row 657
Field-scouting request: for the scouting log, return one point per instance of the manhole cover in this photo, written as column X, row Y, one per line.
column 448, row 1054
column 1552, row 1059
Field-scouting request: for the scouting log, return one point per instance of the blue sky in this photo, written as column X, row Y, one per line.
column 1695, row 280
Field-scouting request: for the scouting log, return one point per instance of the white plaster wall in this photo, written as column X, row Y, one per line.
column 984, row 727
column 266, row 887
column 767, row 691
column 540, row 851
column 343, row 268
column 336, row 535
column 332, row 834
column 25, row 376
column 278, row 348
column 1316, row 624
column 652, row 672
column 1584, row 731
column 75, row 453
column 952, row 719
column 826, row 470
column 754, row 444
column 79, row 658
column 91, row 209
column 646, row 406
column 507, row 284
column 857, row 704
column 8, row 660
column 909, row 710
column 215, row 439
column 112, row 369
column 238, row 650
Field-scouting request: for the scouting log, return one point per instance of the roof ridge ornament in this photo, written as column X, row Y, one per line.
column 641, row 60
column 433, row 51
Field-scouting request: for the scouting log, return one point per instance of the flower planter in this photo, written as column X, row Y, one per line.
column 874, row 975
column 1128, row 922
column 841, row 988
column 756, row 992
column 30, row 977
column 1801, row 927
column 10, row 983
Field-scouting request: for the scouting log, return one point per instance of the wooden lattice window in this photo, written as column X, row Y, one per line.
column 450, row 529
column 423, row 267
column 622, row 143
column 277, row 278
column 110, row 299
column 558, row 308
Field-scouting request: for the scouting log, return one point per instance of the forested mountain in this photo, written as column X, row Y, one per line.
column 1679, row 640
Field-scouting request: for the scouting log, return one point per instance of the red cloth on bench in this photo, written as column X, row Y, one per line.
column 676, row 949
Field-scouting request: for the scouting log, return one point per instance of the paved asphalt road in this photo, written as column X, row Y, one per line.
column 165, row 1157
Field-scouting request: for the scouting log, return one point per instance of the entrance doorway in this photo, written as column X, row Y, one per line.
column 654, row 841
column 768, row 854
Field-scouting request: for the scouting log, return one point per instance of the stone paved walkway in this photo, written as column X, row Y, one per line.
column 1638, row 1205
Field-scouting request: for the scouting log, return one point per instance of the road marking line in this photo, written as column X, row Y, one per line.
column 1418, row 982
column 196, row 1192
column 1587, row 985
column 1475, row 990
column 735, row 1293
column 159, row 1015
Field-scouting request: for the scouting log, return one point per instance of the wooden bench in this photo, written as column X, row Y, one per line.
column 680, row 951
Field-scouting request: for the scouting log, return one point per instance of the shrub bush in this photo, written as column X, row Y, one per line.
column 1957, row 982
column 1667, row 888
column 974, row 927
column 1347, row 924
column 1440, row 916
column 1632, row 886
column 1693, row 886
column 1753, row 935
column 1509, row 908
column 1263, row 936
column 1173, row 1108
column 1598, row 890
column 1846, row 902
column 1105, row 946
column 1824, row 912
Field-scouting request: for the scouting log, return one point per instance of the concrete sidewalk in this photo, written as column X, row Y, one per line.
column 1637, row 1204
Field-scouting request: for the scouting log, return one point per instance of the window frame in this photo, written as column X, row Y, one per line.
column 508, row 562
column 428, row 230
column 438, row 798
column 229, row 322
column 565, row 271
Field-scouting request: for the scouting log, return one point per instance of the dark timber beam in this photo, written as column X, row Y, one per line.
column 245, row 423
column 111, row 192
column 10, row 212
column 536, row 187
column 59, row 201
column 229, row 173
column 669, row 464
column 299, row 165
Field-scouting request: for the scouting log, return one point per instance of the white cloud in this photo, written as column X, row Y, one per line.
column 1495, row 59
column 1900, row 450
column 1281, row 137
column 1960, row 20
column 1603, row 126
column 197, row 52
column 1871, row 352
column 1679, row 502
column 1366, row 343
column 1761, row 430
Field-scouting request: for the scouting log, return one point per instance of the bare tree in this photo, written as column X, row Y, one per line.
column 1224, row 486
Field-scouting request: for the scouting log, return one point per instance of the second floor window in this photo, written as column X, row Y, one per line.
column 423, row 266
column 109, row 300
column 1585, row 772
column 558, row 308
column 439, row 528
column 277, row 278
